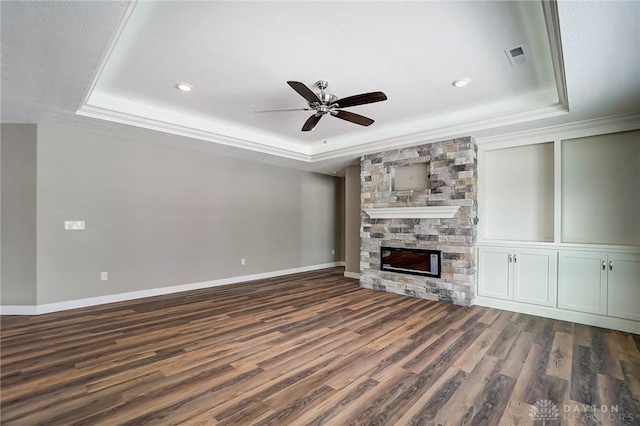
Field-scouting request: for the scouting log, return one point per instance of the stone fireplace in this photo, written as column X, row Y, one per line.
column 441, row 216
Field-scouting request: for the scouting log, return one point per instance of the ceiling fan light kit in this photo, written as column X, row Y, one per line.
column 324, row 102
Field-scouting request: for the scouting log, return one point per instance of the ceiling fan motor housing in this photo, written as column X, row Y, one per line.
column 327, row 99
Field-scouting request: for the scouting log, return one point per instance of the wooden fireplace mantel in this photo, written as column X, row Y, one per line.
column 429, row 212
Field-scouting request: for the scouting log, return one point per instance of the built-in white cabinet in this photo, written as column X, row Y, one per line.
column 582, row 282
column 600, row 283
column 495, row 275
column 535, row 276
column 623, row 296
column 523, row 275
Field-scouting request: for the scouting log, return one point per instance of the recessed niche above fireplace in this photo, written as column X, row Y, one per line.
column 410, row 177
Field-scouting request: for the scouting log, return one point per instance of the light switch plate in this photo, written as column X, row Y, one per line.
column 74, row 225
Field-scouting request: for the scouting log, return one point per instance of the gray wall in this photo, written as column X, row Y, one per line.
column 160, row 216
column 352, row 219
column 340, row 214
column 18, row 153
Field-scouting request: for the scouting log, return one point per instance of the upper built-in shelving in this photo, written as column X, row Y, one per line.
column 573, row 191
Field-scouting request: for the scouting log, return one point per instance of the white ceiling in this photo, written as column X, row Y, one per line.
column 112, row 67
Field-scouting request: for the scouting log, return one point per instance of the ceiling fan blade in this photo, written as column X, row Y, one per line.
column 284, row 109
column 311, row 122
column 361, row 99
column 354, row 118
column 304, row 91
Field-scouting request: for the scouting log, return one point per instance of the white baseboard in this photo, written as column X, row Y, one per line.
column 121, row 297
column 561, row 314
column 355, row 275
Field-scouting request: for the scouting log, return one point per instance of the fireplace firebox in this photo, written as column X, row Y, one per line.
column 410, row 261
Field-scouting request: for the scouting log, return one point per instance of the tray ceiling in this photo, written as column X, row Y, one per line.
column 239, row 55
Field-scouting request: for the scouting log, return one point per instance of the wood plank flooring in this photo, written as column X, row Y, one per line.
column 310, row 348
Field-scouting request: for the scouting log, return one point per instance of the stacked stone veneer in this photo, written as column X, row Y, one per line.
column 453, row 182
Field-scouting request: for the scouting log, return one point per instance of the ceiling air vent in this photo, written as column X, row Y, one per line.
column 517, row 55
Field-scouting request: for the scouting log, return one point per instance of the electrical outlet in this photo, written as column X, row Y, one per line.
column 242, row 261
column 333, row 251
column 104, row 276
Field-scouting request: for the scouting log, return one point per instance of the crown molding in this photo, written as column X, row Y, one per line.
column 591, row 127
column 175, row 129
column 446, row 132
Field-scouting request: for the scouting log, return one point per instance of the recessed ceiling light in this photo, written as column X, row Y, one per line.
column 461, row 82
column 185, row 87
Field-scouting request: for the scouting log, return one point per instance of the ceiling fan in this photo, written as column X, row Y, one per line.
column 323, row 103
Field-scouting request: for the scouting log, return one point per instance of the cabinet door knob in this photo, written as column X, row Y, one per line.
column 515, row 258
column 604, row 266
column 611, row 265
column 510, row 259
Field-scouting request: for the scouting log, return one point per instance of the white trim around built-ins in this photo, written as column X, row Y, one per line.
column 122, row 297
column 557, row 191
column 561, row 314
column 608, row 248
column 355, row 275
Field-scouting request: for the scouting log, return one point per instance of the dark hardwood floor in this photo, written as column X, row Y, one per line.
column 311, row 348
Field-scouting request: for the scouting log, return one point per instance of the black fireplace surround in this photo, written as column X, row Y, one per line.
column 410, row 261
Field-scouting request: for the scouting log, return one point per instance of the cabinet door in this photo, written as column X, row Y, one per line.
column 534, row 276
column 494, row 272
column 582, row 282
column 624, row 286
